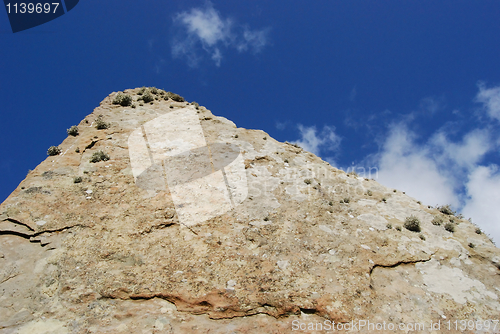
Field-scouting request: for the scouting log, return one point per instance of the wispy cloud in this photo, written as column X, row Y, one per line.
column 320, row 143
column 352, row 95
column 445, row 168
column 440, row 170
column 483, row 197
column 410, row 167
column 430, row 105
column 204, row 31
column 490, row 98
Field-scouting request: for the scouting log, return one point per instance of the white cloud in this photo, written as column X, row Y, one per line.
column 204, row 30
column 318, row 142
column 409, row 167
column 490, row 98
column 441, row 171
column 467, row 153
column 483, row 198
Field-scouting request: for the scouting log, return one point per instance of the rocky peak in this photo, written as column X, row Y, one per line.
column 156, row 215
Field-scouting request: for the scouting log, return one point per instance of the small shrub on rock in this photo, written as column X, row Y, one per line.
column 450, row 227
column 437, row 221
column 73, row 131
column 122, row 99
column 77, row 179
column 195, row 104
column 148, row 97
column 173, row 96
column 412, row 224
column 99, row 156
column 54, row 150
column 141, row 91
column 478, row 230
column 446, row 209
column 100, row 124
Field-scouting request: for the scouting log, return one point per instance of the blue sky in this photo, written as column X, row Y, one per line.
column 409, row 87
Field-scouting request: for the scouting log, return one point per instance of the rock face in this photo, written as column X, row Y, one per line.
column 194, row 226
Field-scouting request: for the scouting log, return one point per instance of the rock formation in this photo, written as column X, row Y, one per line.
column 184, row 223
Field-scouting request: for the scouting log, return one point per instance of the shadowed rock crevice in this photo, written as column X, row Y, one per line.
column 399, row 263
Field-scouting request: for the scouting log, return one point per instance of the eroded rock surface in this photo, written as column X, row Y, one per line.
column 254, row 235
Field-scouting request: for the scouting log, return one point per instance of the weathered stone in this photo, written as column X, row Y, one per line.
column 195, row 225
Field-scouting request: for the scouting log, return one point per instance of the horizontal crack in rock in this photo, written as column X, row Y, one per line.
column 394, row 265
column 31, row 233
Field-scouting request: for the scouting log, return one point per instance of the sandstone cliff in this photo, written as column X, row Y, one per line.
column 196, row 226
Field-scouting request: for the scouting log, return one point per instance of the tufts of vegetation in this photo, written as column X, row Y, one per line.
column 478, row 230
column 389, row 226
column 153, row 90
column 77, row 179
column 77, row 150
column 437, row 221
column 100, row 124
column 142, row 90
column 446, row 209
column 307, row 181
column 99, row 156
column 54, row 150
column 412, row 224
column 353, row 173
column 73, row 131
column 148, row 97
column 345, row 200
column 422, row 237
column 369, row 192
column 174, row 97
column 195, row 104
column 450, row 227
column 123, row 99
column 398, row 228
column 471, row 245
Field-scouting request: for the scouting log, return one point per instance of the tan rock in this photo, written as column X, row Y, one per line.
column 195, row 225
